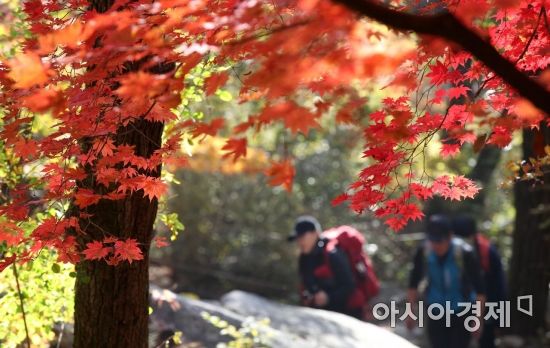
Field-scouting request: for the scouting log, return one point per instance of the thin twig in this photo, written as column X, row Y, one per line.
column 28, row 338
column 60, row 335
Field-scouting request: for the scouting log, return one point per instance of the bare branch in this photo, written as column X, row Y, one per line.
column 447, row 26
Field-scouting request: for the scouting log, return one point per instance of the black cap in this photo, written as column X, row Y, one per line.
column 439, row 227
column 464, row 226
column 304, row 224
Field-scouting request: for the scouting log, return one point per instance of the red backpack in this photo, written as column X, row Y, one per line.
column 351, row 241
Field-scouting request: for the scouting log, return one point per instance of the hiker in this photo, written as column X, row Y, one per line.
column 465, row 227
column 451, row 271
column 335, row 273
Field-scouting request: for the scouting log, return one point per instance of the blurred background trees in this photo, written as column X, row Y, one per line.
column 236, row 225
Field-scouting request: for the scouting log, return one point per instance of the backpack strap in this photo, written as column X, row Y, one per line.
column 461, row 247
column 423, row 285
column 330, row 245
column 458, row 246
column 458, row 249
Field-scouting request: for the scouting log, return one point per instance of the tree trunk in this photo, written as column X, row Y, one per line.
column 111, row 303
column 530, row 264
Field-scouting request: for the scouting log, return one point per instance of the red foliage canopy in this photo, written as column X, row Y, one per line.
column 100, row 72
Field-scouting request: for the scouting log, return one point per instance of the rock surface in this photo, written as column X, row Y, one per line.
column 289, row 326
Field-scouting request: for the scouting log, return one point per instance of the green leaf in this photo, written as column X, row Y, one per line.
column 224, row 95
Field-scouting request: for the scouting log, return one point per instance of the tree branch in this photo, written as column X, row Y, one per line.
column 447, row 26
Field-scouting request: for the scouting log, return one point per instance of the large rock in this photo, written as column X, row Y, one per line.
column 289, row 327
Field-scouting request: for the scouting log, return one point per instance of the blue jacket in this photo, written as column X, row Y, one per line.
column 454, row 277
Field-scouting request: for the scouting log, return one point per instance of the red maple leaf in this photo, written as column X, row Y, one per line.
column 96, row 251
column 44, row 99
column 449, row 150
column 295, row 117
column 438, row 73
column 214, row 82
column 457, row 92
column 500, row 137
column 86, row 197
column 152, row 187
column 128, row 250
column 10, row 233
column 26, row 149
column 396, row 223
column 340, row 199
column 467, row 137
column 281, row 173
column 27, row 70
column 235, row 148
column 6, row 261
column 411, row 212
column 211, row 128
column 420, row 191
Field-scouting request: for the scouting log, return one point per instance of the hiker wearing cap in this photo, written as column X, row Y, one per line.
column 328, row 279
column 451, row 272
column 465, row 227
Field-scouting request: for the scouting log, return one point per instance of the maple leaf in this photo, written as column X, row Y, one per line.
column 378, row 116
column 43, row 100
column 27, row 70
column 345, row 114
column 340, row 199
column 86, row 197
column 500, row 137
column 152, row 187
column 160, row 114
column 50, row 229
column 96, row 250
column 235, row 148
column 26, row 149
column 467, row 137
column 67, row 251
column 69, row 36
column 108, row 240
column 128, row 250
column 438, row 73
column 281, row 173
column 411, row 212
column 396, row 223
column 214, row 82
column 420, row 191
column 7, row 261
column 468, row 189
column 295, row 118
column 10, row 233
column 141, row 86
column 449, row 150
column 457, row 92
column 455, row 188
column 441, row 186
column 105, row 147
column 211, row 128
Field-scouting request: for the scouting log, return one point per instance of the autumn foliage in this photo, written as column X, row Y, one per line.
column 100, row 73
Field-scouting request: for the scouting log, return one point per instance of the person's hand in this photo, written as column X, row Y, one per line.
column 320, row 299
column 307, row 301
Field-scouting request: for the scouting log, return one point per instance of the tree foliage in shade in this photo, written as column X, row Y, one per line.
column 111, row 72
